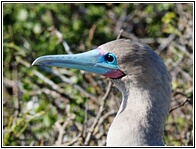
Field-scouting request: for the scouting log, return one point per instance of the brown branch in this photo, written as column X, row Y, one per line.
column 59, row 35
column 165, row 44
column 61, row 130
column 104, row 117
column 68, row 81
column 120, row 33
column 178, row 106
column 91, row 32
column 101, row 109
column 71, row 142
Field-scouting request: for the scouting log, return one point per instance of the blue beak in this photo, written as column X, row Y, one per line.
column 93, row 61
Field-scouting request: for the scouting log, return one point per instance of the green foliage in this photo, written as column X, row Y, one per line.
column 27, row 34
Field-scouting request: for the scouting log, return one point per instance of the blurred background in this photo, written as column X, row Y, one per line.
column 45, row 106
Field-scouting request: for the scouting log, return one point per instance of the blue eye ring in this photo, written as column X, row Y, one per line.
column 110, row 58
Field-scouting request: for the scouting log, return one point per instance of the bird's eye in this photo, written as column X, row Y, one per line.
column 110, row 58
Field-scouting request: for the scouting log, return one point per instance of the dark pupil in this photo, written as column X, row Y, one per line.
column 109, row 58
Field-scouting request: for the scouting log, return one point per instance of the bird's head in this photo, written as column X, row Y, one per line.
column 118, row 60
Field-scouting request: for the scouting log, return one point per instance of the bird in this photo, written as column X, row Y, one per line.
column 144, row 81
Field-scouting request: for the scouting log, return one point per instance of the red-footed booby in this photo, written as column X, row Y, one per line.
column 141, row 76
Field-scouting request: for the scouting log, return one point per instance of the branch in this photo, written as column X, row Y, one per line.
column 101, row 109
column 59, row 35
column 178, row 106
column 120, row 33
column 73, row 140
column 68, row 81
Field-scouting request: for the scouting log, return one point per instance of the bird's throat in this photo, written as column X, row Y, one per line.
column 136, row 122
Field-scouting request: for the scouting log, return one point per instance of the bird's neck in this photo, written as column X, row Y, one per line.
column 140, row 119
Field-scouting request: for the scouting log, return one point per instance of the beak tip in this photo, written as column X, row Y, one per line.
column 35, row 62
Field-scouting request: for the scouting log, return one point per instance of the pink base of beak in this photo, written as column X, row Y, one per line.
column 114, row 74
